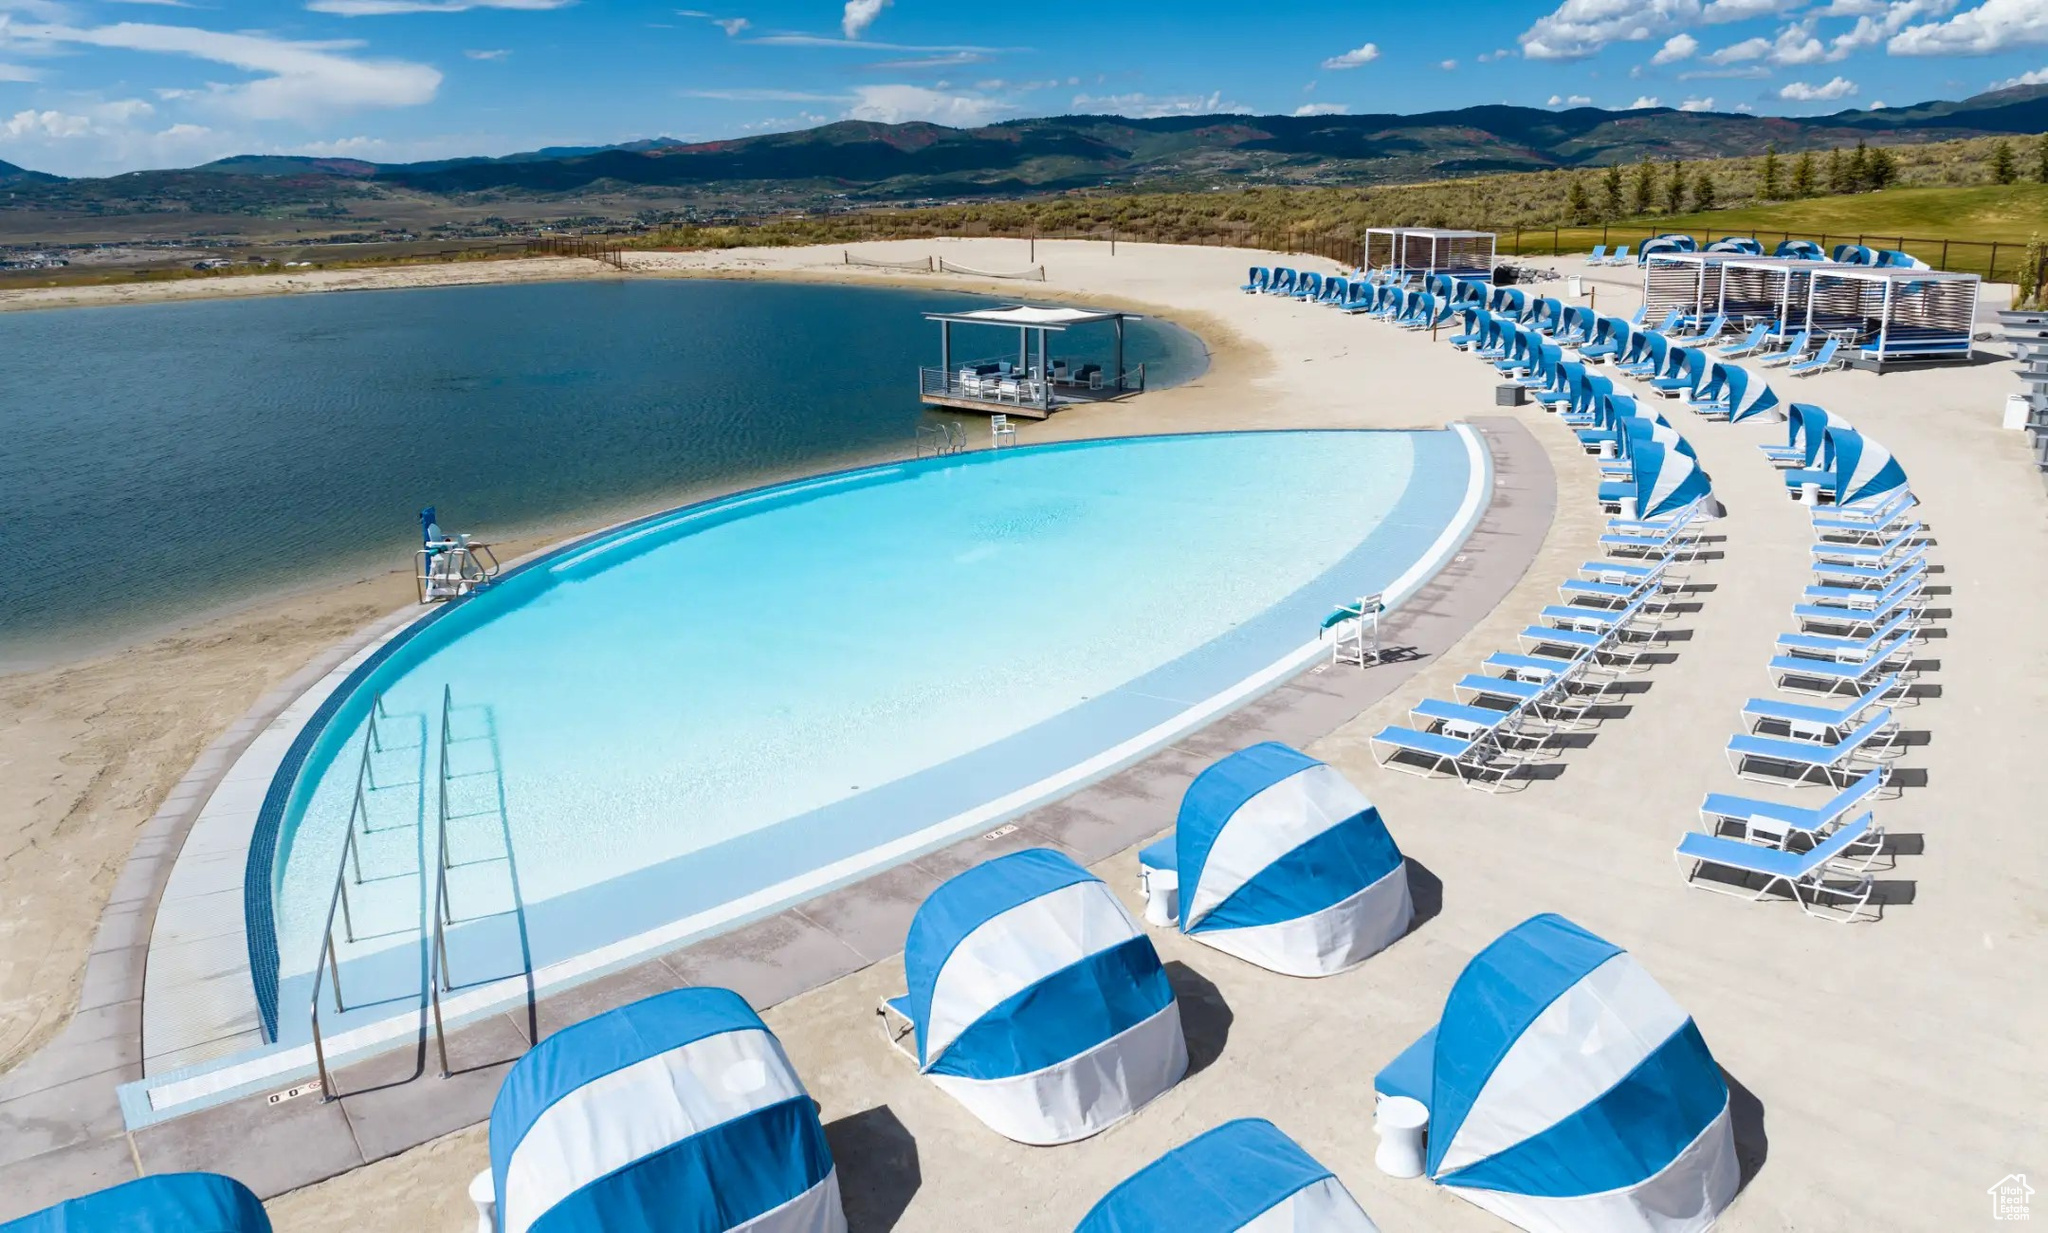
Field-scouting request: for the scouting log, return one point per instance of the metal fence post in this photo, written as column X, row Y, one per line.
column 1991, row 275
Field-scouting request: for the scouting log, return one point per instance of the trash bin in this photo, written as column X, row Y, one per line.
column 1512, row 394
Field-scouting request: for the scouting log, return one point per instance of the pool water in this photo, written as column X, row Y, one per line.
column 728, row 700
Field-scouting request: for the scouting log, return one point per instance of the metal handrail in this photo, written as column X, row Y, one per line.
column 329, row 959
column 439, row 978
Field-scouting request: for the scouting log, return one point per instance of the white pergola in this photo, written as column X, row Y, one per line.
column 1430, row 250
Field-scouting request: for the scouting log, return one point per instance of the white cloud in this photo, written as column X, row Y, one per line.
column 958, row 59
column 1797, row 45
column 2032, row 77
column 1499, row 53
column 19, row 72
column 1724, row 74
column 1146, row 106
column 1642, row 101
column 1697, row 104
column 104, row 137
column 1747, row 49
column 1578, row 28
column 1677, row 47
column 1322, row 109
column 860, row 14
column 900, row 104
column 1745, row 10
column 1574, row 100
column 296, row 80
column 1802, row 92
column 1877, row 21
column 731, row 25
column 1877, row 104
column 1447, row 65
column 387, row 8
column 1995, row 25
column 1357, row 57
column 488, row 53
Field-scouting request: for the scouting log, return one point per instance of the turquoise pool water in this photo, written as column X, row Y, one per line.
column 761, row 694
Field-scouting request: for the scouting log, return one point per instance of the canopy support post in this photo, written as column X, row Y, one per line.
column 1119, row 353
column 946, row 352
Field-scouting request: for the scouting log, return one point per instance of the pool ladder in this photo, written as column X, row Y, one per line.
column 436, row 974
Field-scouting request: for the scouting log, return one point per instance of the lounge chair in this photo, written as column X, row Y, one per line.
column 1901, row 542
column 1259, row 280
column 1550, row 700
column 1807, row 722
column 1478, row 762
column 1801, row 873
column 1773, row 823
column 1822, row 360
column 1864, row 601
column 1876, row 576
column 1709, row 330
column 1835, row 762
column 1598, row 256
column 1829, row 677
column 1875, row 522
column 1619, row 256
column 1462, row 721
column 1842, row 649
column 1793, row 350
column 1621, row 647
column 1750, row 342
column 1853, row 622
column 1672, row 320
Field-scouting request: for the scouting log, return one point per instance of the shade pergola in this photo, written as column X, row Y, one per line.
column 943, row 386
column 1771, row 290
column 1892, row 315
column 1429, row 250
column 1688, row 282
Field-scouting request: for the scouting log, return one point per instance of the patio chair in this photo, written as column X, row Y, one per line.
column 1750, row 342
column 1258, row 281
column 1901, row 541
column 1477, row 762
column 1822, row 360
column 1619, row 256
column 1772, row 823
column 1802, row 874
column 1879, row 575
column 1709, row 330
column 1866, row 600
column 1768, row 758
column 1854, row 650
column 1818, row 723
column 1853, row 622
column 1598, row 256
column 1801, row 674
column 1793, row 350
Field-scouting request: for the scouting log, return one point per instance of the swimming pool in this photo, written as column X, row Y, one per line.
column 709, row 713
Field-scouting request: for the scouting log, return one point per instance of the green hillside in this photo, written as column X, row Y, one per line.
column 2003, row 212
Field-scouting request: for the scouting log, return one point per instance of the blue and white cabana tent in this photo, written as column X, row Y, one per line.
column 1036, row 1000
column 1283, row 281
column 1675, row 242
column 159, row 1203
column 1862, row 467
column 1806, row 427
column 1895, row 258
column 1257, row 280
column 1283, row 863
column 1665, row 479
column 1803, row 250
column 1747, row 395
column 1243, row 1175
column 679, row 1111
column 1568, row 1092
column 1748, row 246
column 1854, row 254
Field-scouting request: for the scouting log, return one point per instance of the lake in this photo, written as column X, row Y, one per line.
column 164, row 461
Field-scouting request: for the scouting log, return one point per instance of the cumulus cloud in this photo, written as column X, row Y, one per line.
column 1578, row 28
column 1877, row 21
column 1993, row 26
column 1745, row 10
column 1573, row 100
column 1321, row 109
column 1802, row 92
column 860, row 14
column 1677, row 47
column 1697, row 104
column 19, row 72
column 387, row 8
column 900, row 104
column 1642, row 101
column 1498, row 53
column 1747, row 49
column 107, row 136
column 1447, row 65
column 295, row 80
column 2032, row 77
column 1357, row 57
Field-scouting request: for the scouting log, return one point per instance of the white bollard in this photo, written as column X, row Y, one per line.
column 1809, row 494
column 484, row 1193
column 1607, row 451
column 1162, row 897
column 1400, row 1121
column 1628, row 508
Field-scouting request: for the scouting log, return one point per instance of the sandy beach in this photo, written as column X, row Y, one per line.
column 1885, row 1070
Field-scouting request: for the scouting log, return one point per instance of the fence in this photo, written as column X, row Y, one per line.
column 608, row 249
column 1997, row 261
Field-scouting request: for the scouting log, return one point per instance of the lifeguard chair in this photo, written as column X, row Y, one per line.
column 450, row 568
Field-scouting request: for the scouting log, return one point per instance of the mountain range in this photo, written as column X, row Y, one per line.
column 894, row 162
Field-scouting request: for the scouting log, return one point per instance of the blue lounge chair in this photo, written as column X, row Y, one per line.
column 1902, row 541
column 1260, row 279
column 1870, row 522
column 1867, row 599
column 1775, row 824
column 1620, row 256
column 1802, row 874
column 1802, row 674
column 1707, row 331
column 1769, row 758
column 1855, row 622
column 1822, row 360
column 1793, row 350
column 1750, row 342
column 1878, row 576
column 1477, row 762
column 1598, row 256
column 1806, row 722
column 1845, row 649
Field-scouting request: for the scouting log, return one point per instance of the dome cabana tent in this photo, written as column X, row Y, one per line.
column 1569, row 1093
column 679, row 1111
column 1036, row 1001
column 1748, row 246
column 1665, row 480
column 1281, row 862
column 1244, row 1175
column 159, row 1203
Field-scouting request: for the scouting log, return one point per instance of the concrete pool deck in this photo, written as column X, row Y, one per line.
column 1930, row 1007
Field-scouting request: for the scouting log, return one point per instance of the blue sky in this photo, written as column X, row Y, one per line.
column 97, row 86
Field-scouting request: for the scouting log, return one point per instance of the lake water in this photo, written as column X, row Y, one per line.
column 162, row 461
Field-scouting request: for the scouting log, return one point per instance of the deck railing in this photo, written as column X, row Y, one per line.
column 999, row 390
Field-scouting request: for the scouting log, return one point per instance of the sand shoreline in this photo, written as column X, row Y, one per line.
column 93, row 737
